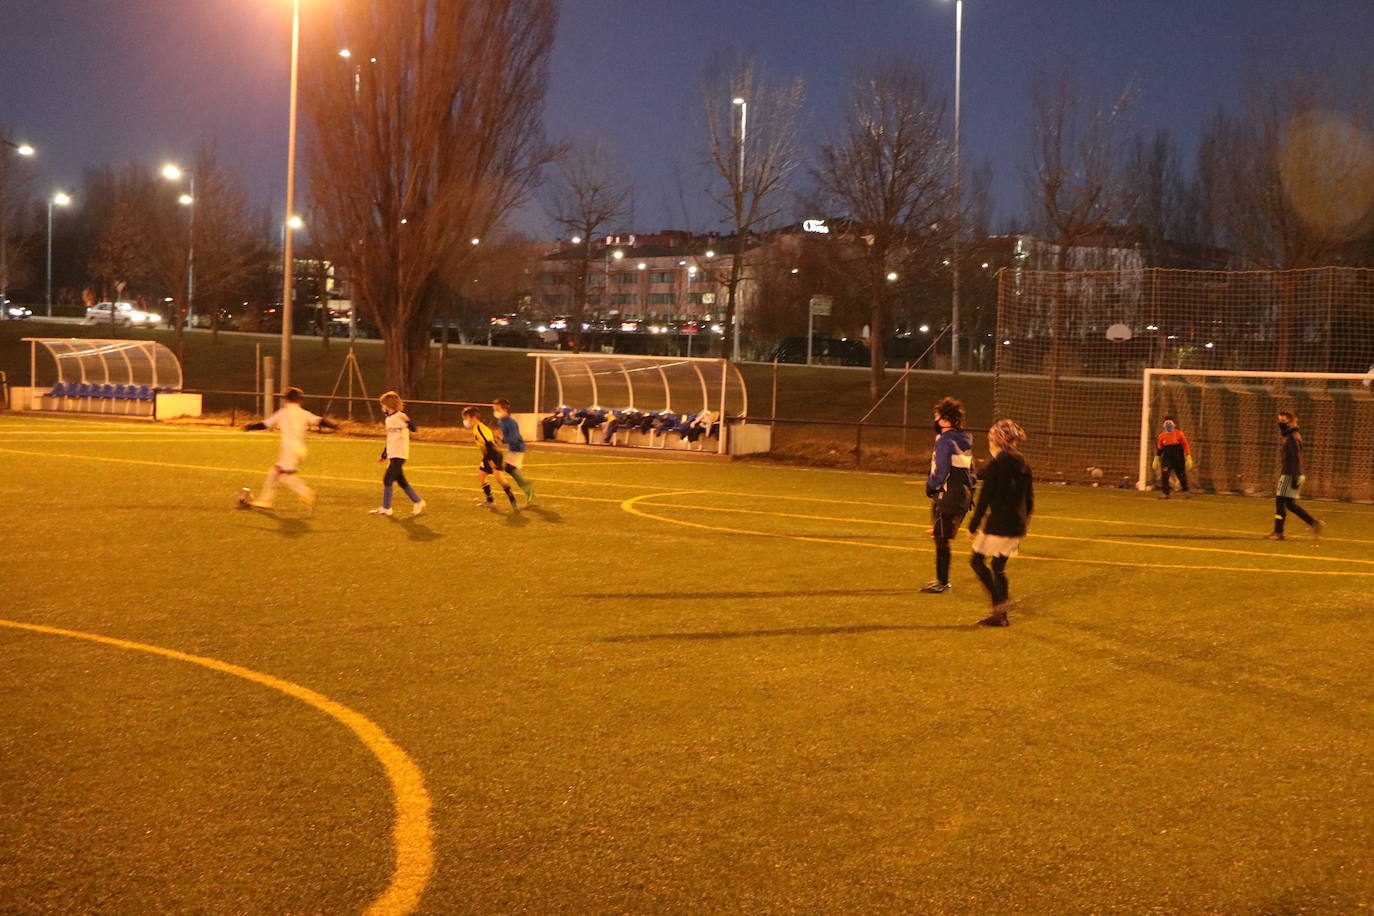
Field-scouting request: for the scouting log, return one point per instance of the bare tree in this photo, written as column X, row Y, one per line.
column 751, row 136
column 421, row 147
column 226, row 241
column 1076, row 176
column 588, row 193
column 119, row 257
column 1076, row 172
column 15, row 199
column 891, row 173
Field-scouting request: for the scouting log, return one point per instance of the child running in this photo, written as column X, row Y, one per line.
column 399, row 426
column 1291, row 479
column 949, row 486
column 508, row 431
column 1173, row 455
column 293, row 421
column 492, row 461
column 1007, row 499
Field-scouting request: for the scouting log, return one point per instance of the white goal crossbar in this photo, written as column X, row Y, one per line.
column 1146, row 391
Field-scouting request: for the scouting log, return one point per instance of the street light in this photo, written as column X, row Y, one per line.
column 288, row 255
column 59, row 199
column 173, row 172
column 22, row 149
column 958, row 184
column 739, row 238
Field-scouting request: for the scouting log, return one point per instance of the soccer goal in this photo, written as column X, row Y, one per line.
column 1229, row 418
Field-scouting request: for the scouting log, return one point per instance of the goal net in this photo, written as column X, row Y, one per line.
column 1230, row 419
column 1073, row 347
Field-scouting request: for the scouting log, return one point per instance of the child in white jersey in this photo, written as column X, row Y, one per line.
column 293, row 421
column 399, row 426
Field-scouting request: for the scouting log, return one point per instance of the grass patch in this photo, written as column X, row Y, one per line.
column 669, row 687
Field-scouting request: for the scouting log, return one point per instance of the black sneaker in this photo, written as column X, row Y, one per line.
column 936, row 588
column 995, row 619
column 1164, row 496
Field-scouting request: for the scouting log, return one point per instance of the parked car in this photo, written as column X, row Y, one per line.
column 15, row 312
column 126, row 315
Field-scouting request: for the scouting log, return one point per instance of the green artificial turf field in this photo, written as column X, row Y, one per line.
column 671, row 686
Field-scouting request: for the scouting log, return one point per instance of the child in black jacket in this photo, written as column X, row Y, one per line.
column 1291, row 479
column 1007, row 499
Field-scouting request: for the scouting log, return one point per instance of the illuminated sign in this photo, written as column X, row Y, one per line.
column 816, row 225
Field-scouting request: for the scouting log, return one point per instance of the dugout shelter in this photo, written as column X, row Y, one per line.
column 615, row 383
column 133, row 378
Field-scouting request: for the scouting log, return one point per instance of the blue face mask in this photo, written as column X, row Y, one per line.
column 1168, row 427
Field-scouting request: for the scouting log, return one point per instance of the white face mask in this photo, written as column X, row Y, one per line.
column 467, row 424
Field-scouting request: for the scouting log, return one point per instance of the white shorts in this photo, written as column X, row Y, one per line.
column 289, row 459
column 515, row 459
column 993, row 545
column 1289, row 487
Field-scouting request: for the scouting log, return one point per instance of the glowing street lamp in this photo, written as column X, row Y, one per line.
column 24, row 149
column 59, row 199
column 173, row 172
column 295, row 222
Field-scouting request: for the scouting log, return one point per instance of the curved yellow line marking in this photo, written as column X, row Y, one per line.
column 631, row 506
column 1039, row 535
column 412, row 831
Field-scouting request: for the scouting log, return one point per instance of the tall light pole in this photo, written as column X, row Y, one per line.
column 23, row 149
column 61, row 200
column 958, row 186
column 743, row 105
column 288, row 256
column 188, row 200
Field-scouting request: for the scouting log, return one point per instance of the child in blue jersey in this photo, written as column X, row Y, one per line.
column 949, row 486
column 508, row 434
column 399, row 426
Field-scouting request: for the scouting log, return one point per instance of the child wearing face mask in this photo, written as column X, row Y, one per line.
column 949, row 486
column 1173, row 456
column 493, row 462
column 1291, row 479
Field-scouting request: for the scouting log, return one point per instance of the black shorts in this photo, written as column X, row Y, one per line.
column 492, row 461
column 945, row 524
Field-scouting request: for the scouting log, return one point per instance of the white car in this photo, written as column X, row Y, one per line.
column 126, row 315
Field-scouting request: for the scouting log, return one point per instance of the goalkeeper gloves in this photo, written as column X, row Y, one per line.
column 1188, row 462
column 1155, row 464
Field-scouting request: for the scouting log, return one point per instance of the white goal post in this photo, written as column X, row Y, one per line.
column 1324, row 387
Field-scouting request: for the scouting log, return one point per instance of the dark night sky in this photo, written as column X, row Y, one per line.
column 117, row 80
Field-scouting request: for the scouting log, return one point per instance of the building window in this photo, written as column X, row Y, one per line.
column 625, row 279
column 695, row 298
column 623, row 299
column 662, row 299
column 593, row 299
column 552, row 279
column 662, row 276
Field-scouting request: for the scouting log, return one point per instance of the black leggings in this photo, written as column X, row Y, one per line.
column 994, row 579
column 1179, row 470
column 1285, row 504
column 395, row 473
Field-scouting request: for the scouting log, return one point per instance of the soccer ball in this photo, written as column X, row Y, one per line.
column 244, row 498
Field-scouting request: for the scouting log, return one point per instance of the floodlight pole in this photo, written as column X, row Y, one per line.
column 287, row 254
column 958, row 185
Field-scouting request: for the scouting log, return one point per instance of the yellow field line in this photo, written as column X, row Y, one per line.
column 1038, row 535
column 412, row 831
column 307, row 475
column 631, row 506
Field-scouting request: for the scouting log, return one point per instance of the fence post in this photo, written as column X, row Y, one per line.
column 859, row 445
column 233, row 410
column 906, row 400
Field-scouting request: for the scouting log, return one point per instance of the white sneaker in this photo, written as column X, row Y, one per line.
column 484, row 503
column 260, row 504
column 419, row 509
column 380, row 512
